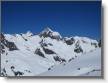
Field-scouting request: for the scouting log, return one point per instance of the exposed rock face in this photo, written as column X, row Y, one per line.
column 3, row 72
column 69, row 41
column 99, row 43
column 78, row 48
column 5, row 43
column 48, row 51
column 44, row 44
column 38, row 52
column 2, row 48
column 2, row 37
column 95, row 45
column 9, row 45
column 16, row 73
column 57, row 58
column 47, row 32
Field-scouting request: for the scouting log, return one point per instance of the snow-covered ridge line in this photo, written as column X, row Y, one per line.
column 30, row 55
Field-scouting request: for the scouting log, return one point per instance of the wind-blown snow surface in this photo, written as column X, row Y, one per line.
column 48, row 53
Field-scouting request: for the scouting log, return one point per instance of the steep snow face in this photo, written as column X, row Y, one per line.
column 30, row 55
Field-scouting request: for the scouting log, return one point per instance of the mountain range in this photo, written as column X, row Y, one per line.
column 49, row 54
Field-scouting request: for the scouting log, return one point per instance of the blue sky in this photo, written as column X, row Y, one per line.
column 68, row 18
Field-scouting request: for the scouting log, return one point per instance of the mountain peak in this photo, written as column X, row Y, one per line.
column 47, row 29
column 29, row 33
column 47, row 32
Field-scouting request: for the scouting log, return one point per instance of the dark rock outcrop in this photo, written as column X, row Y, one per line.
column 69, row 41
column 43, row 44
column 99, row 43
column 94, row 44
column 3, row 72
column 78, row 48
column 57, row 58
column 38, row 52
column 16, row 73
column 5, row 43
column 11, row 46
column 47, row 32
column 2, row 37
column 48, row 51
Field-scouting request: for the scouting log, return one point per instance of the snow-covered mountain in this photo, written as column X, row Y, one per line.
column 84, row 65
column 31, row 55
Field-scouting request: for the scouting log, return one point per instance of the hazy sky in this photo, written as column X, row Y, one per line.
column 68, row 18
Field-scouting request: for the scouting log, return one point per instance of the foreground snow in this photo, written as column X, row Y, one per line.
column 84, row 65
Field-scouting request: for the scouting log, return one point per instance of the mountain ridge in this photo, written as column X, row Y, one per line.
column 41, row 52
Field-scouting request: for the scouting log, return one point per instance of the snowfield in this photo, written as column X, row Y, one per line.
column 84, row 65
column 49, row 54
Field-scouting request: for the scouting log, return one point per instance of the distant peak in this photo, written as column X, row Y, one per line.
column 47, row 29
column 29, row 33
column 47, row 32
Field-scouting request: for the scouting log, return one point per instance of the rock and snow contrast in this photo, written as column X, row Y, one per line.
column 83, row 65
column 49, row 54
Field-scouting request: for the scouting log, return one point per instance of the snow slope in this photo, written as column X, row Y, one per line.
column 31, row 55
column 88, row 64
